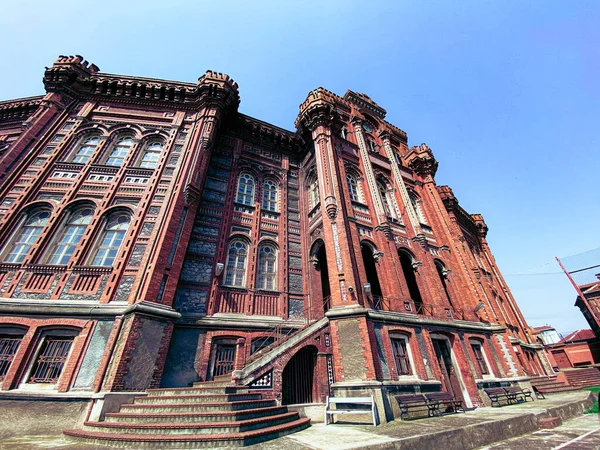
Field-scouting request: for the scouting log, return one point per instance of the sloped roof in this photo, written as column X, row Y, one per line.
column 579, row 335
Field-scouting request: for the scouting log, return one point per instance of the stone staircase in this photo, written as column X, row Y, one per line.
column 206, row 415
column 549, row 385
column 583, row 377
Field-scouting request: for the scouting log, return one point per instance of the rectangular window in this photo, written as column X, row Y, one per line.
column 478, row 352
column 401, row 356
column 98, row 177
column 51, row 359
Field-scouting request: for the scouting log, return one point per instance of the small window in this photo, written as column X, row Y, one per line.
column 267, row 268
column 245, row 194
column 269, row 196
column 383, row 194
column 85, row 150
column 9, row 344
column 99, row 177
column 236, row 264
column 60, row 174
column 399, row 348
column 119, row 152
column 31, row 227
column 478, row 352
column 151, row 155
column 70, row 235
column 110, row 239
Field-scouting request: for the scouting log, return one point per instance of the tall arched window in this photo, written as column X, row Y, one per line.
column 267, row 268
column 119, row 152
column 236, row 264
column 313, row 191
column 245, row 193
column 269, row 202
column 151, row 155
column 353, row 188
column 69, row 235
column 416, row 204
column 383, row 194
column 408, row 269
column 110, row 239
column 85, row 150
column 443, row 274
column 26, row 235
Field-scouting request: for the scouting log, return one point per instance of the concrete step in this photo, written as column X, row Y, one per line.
column 179, row 417
column 191, row 441
column 178, row 428
column 196, row 407
column 200, row 389
column 224, row 383
column 193, row 399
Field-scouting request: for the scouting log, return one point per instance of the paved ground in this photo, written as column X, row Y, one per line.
column 474, row 429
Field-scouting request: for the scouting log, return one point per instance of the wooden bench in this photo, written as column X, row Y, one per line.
column 370, row 401
column 443, row 402
column 498, row 395
column 414, row 402
column 518, row 394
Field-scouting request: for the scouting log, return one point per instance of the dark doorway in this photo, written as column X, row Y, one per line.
column 409, row 275
column 372, row 278
column 325, row 288
column 223, row 357
column 297, row 377
column 444, row 358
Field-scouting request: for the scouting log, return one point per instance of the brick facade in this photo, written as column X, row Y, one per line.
column 236, row 234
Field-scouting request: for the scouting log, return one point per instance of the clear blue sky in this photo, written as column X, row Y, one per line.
column 506, row 94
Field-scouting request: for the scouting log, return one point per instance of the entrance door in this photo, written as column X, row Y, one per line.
column 297, row 377
column 444, row 359
column 224, row 356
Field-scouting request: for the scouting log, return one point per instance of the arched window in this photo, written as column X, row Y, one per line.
column 383, row 193
column 236, row 264
column 245, row 193
column 267, row 268
column 110, row 239
column 408, row 269
column 119, row 152
column 85, row 150
column 353, row 187
column 416, row 204
column 269, row 202
column 150, row 155
column 313, row 192
column 443, row 274
column 26, row 235
column 69, row 235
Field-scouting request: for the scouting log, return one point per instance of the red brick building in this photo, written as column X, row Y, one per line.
column 152, row 235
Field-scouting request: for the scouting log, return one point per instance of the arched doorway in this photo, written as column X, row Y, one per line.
column 297, row 378
column 406, row 261
column 371, row 272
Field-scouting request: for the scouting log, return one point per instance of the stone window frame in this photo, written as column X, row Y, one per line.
column 236, row 277
column 263, row 276
column 243, row 196
column 84, row 143
column 114, row 225
column 270, row 187
column 152, row 149
column 406, row 337
column 481, row 343
column 42, row 336
column 312, row 188
column 18, row 232
column 58, row 238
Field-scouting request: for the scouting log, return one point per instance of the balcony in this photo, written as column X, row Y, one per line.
column 244, row 301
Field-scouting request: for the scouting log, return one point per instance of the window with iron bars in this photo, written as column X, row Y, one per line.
column 8, row 349
column 51, row 359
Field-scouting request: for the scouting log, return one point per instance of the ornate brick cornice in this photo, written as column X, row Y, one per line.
column 482, row 227
column 19, row 109
column 365, row 103
column 79, row 79
column 266, row 133
column 421, row 160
